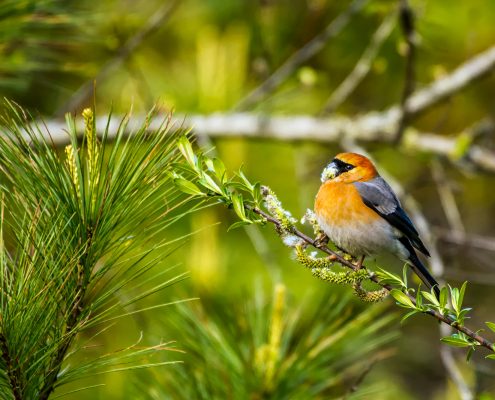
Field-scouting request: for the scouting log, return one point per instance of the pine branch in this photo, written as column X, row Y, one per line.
column 82, row 228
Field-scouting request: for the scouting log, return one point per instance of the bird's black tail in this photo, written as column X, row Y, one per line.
column 419, row 268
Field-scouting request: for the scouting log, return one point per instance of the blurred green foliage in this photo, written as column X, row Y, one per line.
column 205, row 58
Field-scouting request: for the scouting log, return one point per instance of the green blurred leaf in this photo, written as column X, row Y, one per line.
column 408, row 315
column 239, row 224
column 491, row 326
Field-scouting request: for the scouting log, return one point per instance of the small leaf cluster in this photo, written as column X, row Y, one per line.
column 205, row 177
column 449, row 304
column 427, row 300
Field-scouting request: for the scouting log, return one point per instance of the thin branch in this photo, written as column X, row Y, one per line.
column 406, row 16
column 471, row 70
column 363, row 66
column 299, row 57
column 447, row 197
column 338, row 258
column 83, row 94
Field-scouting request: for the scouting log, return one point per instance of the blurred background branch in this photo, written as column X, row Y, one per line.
column 300, row 56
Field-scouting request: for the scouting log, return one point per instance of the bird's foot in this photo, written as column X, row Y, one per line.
column 360, row 262
column 321, row 240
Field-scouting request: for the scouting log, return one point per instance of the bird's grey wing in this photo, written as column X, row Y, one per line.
column 379, row 196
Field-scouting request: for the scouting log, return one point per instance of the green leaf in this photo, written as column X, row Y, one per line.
column 491, row 326
column 419, row 298
column 209, row 164
column 455, row 341
column 469, row 354
column 258, row 198
column 186, row 149
column 444, row 294
column 405, row 270
column 430, row 297
column 389, row 278
column 238, row 224
column 237, row 185
column 245, row 180
column 491, row 356
column 188, row 187
column 454, row 298
column 219, row 169
column 208, row 182
column 402, row 298
column 408, row 315
column 239, row 206
column 461, row 294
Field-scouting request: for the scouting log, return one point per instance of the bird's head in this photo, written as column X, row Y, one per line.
column 348, row 168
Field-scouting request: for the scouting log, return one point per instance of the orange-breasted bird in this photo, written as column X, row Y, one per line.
column 359, row 212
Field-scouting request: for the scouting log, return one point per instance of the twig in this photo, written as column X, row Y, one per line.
column 363, row 66
column 82, row 95
column 406, row 16
column 447, row 198
column 469, row 71
column 300, row 56
column 338, row 258
column 360, row 379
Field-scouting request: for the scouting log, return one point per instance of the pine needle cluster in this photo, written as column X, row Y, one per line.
column 77, row 228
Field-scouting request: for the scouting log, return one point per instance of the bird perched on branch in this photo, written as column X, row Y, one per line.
column 359, row 212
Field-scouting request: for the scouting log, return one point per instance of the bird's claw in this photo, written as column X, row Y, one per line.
column 321, row 240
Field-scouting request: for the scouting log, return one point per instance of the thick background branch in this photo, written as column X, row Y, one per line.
column 370, row 127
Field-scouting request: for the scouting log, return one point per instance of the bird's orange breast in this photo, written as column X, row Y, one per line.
column 339, row 204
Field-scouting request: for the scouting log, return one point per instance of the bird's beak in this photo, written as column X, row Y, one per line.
column 329, row 172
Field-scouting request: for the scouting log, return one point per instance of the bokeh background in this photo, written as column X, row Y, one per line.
column 205, row 56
